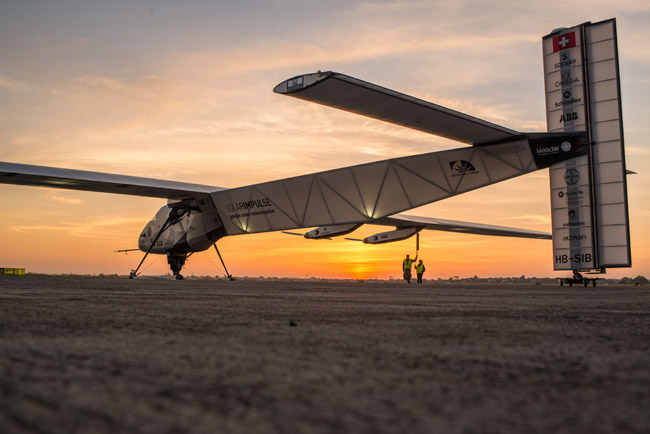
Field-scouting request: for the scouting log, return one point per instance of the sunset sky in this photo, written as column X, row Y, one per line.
column 182, row 90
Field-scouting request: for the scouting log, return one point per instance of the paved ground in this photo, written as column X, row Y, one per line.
column 151, row 356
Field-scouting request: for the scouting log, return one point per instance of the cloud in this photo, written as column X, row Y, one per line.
column 540, row 219
column 55, row 196
column 12, row 85
column 100, row 228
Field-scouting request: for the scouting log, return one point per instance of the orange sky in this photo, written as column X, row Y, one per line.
column 184, row 93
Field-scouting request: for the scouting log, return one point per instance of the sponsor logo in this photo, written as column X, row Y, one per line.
column 569, row 117
column 565, row 61
column 571, row 176
column 462, row 168
column 567, row 79
column 552, row 150
column 565, row 103
column 571, row 194
column 548, row 150
column 567, row 99
column 574, row 238
column 562, row 42
column 572, row 224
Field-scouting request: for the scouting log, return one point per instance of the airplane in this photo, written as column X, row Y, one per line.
column 339, row 201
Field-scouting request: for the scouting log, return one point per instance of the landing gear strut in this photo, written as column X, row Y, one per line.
column 165, row 225
column 176, row 262
column 228, row 275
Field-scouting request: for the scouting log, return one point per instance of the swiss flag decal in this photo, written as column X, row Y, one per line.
column 562, row 42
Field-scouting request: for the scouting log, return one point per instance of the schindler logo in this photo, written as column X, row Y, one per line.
column 462, row 168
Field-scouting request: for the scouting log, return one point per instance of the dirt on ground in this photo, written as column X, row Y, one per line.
column 80, row 355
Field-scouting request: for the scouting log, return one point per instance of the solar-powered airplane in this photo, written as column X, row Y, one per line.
column 334, row 202
column 338, row 201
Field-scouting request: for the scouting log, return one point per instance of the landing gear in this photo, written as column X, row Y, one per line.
column 176, row 262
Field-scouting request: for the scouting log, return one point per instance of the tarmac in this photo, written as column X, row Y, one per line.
column 81, row 355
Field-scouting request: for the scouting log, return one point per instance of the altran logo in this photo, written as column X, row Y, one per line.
column 566, row 146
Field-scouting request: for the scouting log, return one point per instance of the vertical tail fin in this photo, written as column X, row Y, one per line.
column 588, row 193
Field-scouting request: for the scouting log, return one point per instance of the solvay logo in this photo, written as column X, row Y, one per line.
column 566, row 146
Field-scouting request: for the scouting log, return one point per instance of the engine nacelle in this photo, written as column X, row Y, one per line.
column 391, row 236
column 331, row 231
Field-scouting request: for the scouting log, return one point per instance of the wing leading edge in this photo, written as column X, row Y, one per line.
column 42, row 176
column 357, row 96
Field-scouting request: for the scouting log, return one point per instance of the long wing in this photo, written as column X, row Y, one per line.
column 374, row 191
column 367, row 99
column 436, row 224
column 42, row 176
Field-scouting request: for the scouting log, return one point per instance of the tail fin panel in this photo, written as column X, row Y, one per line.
column 588, row 193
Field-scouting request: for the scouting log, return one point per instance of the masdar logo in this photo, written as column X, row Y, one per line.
column 462, row 168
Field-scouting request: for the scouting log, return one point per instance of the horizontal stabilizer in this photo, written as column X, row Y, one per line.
column 367, row 99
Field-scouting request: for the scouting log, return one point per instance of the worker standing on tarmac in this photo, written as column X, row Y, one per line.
column 419, row 270
column 406, row 267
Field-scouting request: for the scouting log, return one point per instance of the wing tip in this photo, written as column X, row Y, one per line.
column 300, row 82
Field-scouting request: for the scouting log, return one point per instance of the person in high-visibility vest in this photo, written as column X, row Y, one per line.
column 419, row 270
column 406, row 267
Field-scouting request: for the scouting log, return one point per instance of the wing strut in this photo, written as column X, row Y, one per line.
column 165, row 225
column 228, row 275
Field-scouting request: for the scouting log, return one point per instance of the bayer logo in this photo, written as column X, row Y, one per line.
column 571, row 176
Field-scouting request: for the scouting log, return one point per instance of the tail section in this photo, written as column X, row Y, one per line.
column 588, row 193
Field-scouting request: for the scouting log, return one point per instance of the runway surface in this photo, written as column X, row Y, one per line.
column 81, row 355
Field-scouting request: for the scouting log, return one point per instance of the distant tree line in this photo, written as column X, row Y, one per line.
column 540, row 280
